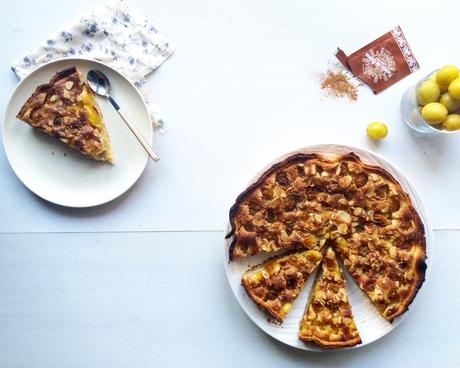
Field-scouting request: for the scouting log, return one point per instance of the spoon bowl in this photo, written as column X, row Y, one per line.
column 98, row 82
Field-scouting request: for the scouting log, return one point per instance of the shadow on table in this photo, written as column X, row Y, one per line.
column 96, row 211
column 433, row 147
column 333, row 358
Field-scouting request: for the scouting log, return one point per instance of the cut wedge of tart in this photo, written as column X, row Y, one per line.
column 388, row 269
column 66, row 109
column 275, row 284
column 328, row 320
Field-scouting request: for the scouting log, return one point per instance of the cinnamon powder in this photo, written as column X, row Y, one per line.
column 338, row 84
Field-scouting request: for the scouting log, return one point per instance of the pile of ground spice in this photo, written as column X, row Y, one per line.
column 338, row 84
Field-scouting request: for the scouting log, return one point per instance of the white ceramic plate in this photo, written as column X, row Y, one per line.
column 62, row 175
column 370, row 324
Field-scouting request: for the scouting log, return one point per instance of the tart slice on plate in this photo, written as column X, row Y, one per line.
column 275, row 284
column 328, row 320
column 66, row 109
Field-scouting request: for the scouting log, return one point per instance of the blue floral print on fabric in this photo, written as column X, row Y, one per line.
column 117, row 36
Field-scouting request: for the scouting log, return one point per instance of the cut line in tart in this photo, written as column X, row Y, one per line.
column 310, row 200
column 328, row 319
column 66, row 109
column 276, row 283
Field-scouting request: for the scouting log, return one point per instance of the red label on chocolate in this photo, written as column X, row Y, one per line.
column 383, row 62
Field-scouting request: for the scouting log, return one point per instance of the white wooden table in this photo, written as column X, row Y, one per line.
column 82, row 288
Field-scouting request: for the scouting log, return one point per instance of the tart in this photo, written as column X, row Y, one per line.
column 328, row 319
column 275, row 284
column 310, row 201
column 66, row 109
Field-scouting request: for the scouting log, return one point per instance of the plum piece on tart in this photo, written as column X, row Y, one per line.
column 328, row 320
column 66, row 109
column 276, row 283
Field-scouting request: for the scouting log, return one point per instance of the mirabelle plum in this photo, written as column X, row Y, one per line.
column 428, row 92
column 446, row 74
column 452, row 122
column 454, row 88
column 377, row 130
column 434, row 113
column 450, row 103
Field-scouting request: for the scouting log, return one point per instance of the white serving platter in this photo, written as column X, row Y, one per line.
column 370, row 324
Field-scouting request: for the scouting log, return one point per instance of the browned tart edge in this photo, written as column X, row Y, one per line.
column 43, row 88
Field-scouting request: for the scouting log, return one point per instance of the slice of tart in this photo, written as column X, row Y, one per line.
column 328, row 320
column 65, row 108
column 388, row 268
column 275, row 284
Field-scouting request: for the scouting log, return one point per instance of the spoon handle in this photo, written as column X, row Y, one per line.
column 138, row 135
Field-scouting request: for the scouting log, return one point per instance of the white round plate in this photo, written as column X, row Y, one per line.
column 370, row 324
column 62, row 175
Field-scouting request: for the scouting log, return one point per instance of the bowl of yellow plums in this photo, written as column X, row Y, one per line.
column 432, row 106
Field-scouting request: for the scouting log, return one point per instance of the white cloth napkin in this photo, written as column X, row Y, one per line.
column 118, row 36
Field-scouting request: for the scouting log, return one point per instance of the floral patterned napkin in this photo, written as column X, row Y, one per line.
column 118, row 36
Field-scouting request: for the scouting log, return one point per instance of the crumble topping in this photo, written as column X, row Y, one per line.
column 308, row 201
column 276, row 283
